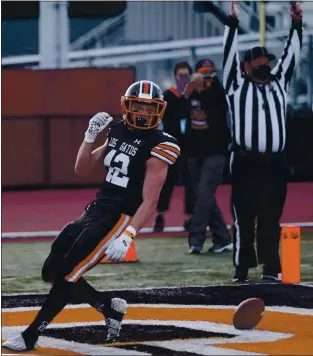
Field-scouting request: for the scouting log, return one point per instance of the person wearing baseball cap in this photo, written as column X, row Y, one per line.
column 207, row 139
column 206, row 68
column 257, row 97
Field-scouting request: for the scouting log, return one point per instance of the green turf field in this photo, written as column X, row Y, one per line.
column 163, row 262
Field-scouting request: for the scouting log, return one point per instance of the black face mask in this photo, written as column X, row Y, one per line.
column 262, row 73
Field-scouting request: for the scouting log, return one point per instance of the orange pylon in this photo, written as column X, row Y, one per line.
column 290, row 254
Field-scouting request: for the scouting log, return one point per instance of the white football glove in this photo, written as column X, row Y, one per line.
column 96, row 124
column 117, row 250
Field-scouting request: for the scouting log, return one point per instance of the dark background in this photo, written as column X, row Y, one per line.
column 30, row 9
column 45, row 114
column 44, row 120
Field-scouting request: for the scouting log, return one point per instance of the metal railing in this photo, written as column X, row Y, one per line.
column 133, row 54
column 98, row 32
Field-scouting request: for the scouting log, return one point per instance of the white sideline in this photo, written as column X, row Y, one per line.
column 304, row 284
column 145, row 230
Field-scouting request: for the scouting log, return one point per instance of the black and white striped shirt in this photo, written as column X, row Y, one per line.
column 258, row 112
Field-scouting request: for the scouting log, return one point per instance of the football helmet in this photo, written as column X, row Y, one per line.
column 148, row 94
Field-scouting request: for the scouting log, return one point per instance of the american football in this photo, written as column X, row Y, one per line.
column 248, row 313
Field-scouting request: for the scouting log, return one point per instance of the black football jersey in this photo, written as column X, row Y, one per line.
column 125, row 160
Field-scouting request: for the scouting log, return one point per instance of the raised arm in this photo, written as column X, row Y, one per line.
column 87, row 156
column 231, row 64
column 291, row 54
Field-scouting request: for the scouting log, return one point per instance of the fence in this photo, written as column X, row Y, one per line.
column 40, row 151
column 44, row 116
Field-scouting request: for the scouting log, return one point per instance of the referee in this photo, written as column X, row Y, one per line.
column 257, row 98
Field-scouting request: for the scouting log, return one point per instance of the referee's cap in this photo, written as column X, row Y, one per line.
column 257, row 52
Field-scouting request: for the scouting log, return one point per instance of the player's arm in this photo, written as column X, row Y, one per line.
column 291, row 54
column 156, row 172
column 87, row 156
column 231, row 63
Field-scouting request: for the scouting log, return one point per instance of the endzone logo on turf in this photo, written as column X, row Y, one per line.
column 157, row 328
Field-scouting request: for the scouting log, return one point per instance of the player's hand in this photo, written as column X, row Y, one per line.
column 96, row 124
column 296, row 11
column 119, row 247
column 234, row 9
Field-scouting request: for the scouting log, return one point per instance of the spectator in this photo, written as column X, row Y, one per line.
column 206, row 147
column 174, row 123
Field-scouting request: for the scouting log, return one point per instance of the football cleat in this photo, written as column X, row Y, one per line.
column 17, row 343
column 114, row 326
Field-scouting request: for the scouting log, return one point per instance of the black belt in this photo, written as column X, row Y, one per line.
column 247, row 152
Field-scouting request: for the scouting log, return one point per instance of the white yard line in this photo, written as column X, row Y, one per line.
column 145, row 230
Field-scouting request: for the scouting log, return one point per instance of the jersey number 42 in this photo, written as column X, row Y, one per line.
column 118, row 168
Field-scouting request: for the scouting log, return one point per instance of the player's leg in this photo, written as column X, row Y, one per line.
column 113, row 309
column 83, row 292
column 87, row 251
column 60, row 247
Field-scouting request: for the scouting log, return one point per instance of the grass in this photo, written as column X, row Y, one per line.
column 163, row 262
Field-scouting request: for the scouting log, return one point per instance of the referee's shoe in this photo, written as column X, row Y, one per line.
column 221, row 247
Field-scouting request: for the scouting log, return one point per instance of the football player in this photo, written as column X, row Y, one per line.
column 136, row 156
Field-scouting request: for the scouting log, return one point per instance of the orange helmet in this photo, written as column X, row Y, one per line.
column 147, row 93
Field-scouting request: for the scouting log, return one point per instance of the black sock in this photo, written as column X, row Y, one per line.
column 56, row 300
column 98, row 300
column 83, row 292
column 87, row 294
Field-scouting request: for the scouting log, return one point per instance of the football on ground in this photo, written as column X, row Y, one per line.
column 248, row 313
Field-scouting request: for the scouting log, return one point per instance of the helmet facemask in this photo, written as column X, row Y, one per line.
column 142, row 120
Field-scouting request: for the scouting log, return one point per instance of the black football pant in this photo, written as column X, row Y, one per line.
column 259, row 187
column 82, row 244
column 79, row 247
column 181, row 166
